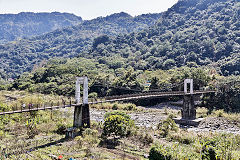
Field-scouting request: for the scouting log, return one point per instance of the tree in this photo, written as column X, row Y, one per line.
column 169, row 63
column 101, row 39
column 154, row 83
column 117, row 124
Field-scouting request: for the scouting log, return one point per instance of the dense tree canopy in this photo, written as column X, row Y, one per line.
column 58, row 76
column 20, row 56
column 192, row 32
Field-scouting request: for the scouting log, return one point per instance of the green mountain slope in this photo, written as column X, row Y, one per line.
column 22, row 55
column 192, row 32
column 28, row 24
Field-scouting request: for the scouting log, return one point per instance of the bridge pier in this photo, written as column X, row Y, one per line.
column 81, row 116
column 81, row 111
column 189, row 109
column 188, row 112
column 86, row 116
column 77, row 120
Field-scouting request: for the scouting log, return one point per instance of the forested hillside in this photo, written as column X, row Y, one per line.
column 192, row 32
column 22, row 55
column 28, row 24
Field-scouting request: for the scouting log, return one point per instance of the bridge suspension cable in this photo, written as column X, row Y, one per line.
column 141, row 94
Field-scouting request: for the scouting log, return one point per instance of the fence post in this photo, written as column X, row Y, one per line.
column 51, row 110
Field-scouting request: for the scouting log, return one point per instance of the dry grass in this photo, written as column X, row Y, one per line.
column 116, row 106
column 189, row 145
column 202, row 112
column 229, row 116
column 15, row 99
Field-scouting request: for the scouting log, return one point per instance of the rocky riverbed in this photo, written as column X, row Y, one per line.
column 218, row 124
column 151, row 117
column 143, row 119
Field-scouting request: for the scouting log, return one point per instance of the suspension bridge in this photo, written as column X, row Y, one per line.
column 81, row 110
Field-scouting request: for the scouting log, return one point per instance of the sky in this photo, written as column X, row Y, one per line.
column 87, row 9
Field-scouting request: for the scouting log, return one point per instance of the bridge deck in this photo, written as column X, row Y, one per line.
column 112, row 99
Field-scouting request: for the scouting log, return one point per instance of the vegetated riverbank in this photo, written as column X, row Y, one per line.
column 40, row 135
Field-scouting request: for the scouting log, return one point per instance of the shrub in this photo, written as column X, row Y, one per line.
column 183, row 137
column 219, row 113
column 202, row 112
column 96, row 125
column 91, row 137
column 127, row 117
column 87, row 141
column 90, row 132
column 3, row 107
column 93, row 95
column 79, row 140
column 32, row 130
column 4, row 119
column 2, row 134
column 62, row 127
column 208, row 153
column 224, row 145
column 167, row 125
column 117, row 124
column 159, row 152
column 3, row 87
column 130, row 107
column 146, row 139
column 166, row 111
column 115, row 107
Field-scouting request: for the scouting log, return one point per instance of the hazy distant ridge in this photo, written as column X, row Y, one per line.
column 27, row 24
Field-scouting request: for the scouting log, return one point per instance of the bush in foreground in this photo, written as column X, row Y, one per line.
column 167, row 126
column 159, row 152
column 117, row 124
